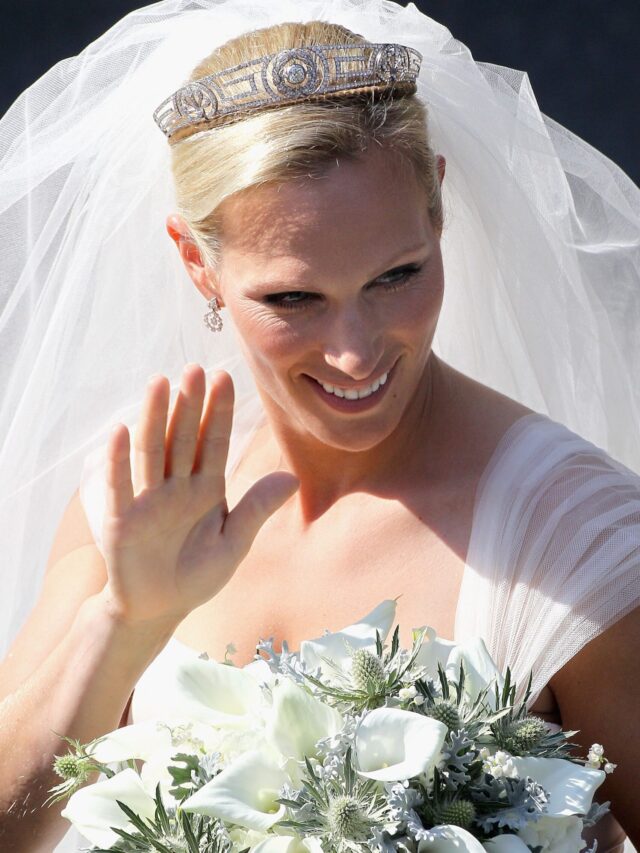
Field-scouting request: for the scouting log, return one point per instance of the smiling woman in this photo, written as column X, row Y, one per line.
column 428, row 327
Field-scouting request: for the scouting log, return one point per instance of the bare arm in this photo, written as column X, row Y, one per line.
column 81, row 690
column 598, row 692
column 169, row 545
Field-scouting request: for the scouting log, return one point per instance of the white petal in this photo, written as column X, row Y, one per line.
column 391, row 744
column 211, row 692
column 337, row 646
column 155, row 771
column 571, row 786
column 298, row 720
column 450, row 839
column 288, row 844
column 557, row 834
column 260, row 670
column 245, row 839
column 140, row 740
column 506, row 844
column 244, row 793
column 93, row 810
column 434, row 651
column 480, row 669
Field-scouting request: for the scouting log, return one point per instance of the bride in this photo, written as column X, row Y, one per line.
column 393, row 435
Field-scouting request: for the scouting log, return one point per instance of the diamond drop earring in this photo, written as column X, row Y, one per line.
column 213, row 318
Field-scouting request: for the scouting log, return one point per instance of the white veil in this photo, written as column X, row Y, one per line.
column 541, row 251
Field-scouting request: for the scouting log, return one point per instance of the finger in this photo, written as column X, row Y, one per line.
column 215, row 430
column 184, row 425
column 119, row 488
column 257, row 504
column 149, row 441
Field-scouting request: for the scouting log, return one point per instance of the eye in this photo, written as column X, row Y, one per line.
column 291, row 300
column 395, row 279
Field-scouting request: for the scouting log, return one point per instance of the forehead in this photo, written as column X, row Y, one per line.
column 357, row 212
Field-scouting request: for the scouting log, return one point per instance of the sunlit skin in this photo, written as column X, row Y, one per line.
column 339, row 280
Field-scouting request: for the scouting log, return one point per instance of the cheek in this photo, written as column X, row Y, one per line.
column 268, row 340
column 417, row 313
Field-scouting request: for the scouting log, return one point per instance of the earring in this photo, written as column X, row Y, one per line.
column 213, row 318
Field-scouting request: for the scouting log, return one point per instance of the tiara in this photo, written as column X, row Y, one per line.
column 286, row 77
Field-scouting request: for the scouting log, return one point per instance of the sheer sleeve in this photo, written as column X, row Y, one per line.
column 554, row 555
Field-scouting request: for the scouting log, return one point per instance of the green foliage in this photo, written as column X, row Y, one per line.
column 173, row 831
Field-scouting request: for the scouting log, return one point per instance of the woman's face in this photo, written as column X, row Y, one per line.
column 335, row 285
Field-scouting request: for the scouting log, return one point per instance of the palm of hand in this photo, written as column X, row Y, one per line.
column 170, row 544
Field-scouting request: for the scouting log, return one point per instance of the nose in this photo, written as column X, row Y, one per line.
column 353, row 344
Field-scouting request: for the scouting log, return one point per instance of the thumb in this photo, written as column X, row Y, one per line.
column 257, row 504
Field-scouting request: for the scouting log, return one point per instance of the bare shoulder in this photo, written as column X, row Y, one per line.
column 480, row 416
column 75, row 570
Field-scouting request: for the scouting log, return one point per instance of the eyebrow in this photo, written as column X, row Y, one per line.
column 262, row 286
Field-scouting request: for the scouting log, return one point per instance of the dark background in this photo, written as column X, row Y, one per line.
column 581, row 55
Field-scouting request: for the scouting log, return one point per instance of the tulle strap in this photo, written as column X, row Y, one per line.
column 554, row 554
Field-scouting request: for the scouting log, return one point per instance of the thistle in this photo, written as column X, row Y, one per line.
column 522, row 735
column 74, row 767
column 459, row 813
column 445, row 712
column 345, row 819
column 367, row 671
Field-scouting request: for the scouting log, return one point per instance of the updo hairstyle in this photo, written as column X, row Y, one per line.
column 296, row 141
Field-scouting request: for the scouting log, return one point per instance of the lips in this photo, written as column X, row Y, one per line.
column 349, row 398
column 355, row 393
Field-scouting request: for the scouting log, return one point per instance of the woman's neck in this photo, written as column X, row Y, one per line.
column 327, row 473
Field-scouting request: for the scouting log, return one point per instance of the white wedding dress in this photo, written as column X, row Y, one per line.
column 553, row 557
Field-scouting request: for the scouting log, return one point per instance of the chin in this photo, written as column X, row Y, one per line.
column 355, row 436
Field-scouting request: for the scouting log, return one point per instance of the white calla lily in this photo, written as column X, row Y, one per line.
column 150, row 738
column 338, row 647
column 140, row 740
column 479, row 667
column 298, row 720
column 245, row 839
column 93, row 810
column 449, row 839
column 571, row 786
column 211, row 692
column 433, row 651
column 392, row 744
column 261, row 671
column 244, row 793
column 506, row 844
column 288, row 844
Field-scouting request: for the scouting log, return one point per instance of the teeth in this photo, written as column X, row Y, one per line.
column 353, row 394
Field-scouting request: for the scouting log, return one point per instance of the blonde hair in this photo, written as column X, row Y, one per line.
column 295, row 141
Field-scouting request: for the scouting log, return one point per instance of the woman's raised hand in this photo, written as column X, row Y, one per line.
column 169, row 541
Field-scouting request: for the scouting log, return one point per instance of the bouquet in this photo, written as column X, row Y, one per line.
column 350, row 745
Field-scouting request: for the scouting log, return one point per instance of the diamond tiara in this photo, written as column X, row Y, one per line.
column 282, row 78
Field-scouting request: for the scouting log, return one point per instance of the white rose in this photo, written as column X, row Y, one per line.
column 555, row 834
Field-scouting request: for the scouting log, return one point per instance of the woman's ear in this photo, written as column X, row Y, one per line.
column 442, row 166
column 194, row 263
